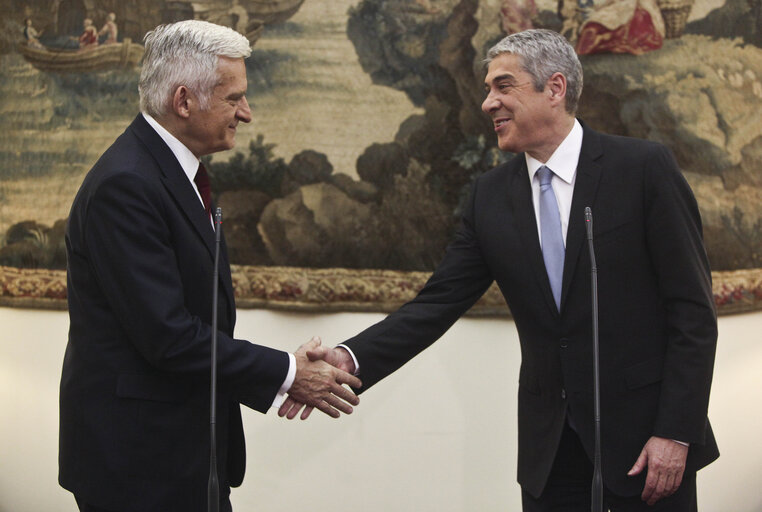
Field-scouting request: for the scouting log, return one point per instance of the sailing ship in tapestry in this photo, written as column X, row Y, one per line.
column 367, row 126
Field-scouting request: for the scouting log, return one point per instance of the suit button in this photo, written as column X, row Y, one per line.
column 564, row 342
column 563, row 394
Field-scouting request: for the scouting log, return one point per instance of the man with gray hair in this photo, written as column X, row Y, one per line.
column 524, row 227
column 140, row 240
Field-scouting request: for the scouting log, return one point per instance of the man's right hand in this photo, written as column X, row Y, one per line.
column 318, row 384
column 337, row 357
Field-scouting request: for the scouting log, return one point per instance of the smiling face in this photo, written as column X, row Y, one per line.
column 213, row 129
column 525, row 120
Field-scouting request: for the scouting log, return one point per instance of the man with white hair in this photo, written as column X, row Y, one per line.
column 134, row 398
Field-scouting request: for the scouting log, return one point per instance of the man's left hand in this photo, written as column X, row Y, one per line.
column 665, row 460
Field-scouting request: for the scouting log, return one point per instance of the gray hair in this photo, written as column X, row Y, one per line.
column 544, row 52
column 185, row 53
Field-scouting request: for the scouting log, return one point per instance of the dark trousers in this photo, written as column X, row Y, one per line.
column 569, row 485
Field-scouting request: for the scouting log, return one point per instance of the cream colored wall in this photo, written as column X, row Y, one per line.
column 439, row 435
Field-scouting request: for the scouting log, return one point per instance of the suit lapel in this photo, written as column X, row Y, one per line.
column 585, row 188
column 177, row 184
column 523, row 209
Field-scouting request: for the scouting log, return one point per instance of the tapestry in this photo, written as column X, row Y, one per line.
column 345, row 189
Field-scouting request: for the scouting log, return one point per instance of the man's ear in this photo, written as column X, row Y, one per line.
column 181, row 101
column 557, row 87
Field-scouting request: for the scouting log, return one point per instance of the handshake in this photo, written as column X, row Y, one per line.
column 319, row 382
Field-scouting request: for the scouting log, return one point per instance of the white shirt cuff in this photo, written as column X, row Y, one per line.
column 354, row 359
column 290, row 376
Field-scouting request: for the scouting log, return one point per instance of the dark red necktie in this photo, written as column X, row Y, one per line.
column 204, row 189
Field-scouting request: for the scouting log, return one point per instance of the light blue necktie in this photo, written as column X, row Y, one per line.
column 552, row 238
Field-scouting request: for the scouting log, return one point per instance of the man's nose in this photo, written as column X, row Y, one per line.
column 490, row 104
column 244, row 111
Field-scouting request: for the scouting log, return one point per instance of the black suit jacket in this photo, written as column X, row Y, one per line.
column 657, row 317
column 134, row 402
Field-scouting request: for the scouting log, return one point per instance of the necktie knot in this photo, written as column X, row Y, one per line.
column 545, row 175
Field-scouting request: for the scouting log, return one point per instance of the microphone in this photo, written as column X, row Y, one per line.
column 213, row 491
column 597, row 485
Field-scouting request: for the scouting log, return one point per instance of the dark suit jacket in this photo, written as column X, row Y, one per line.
column 657, row 317
column 134, row 425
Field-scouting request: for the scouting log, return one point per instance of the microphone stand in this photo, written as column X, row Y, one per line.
column 213, row 504
column 597, row 485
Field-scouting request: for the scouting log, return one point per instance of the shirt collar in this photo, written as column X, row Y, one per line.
column 187, row 159
column 563, row 161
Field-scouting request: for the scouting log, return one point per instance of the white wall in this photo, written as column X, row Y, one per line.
column 439, row 435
